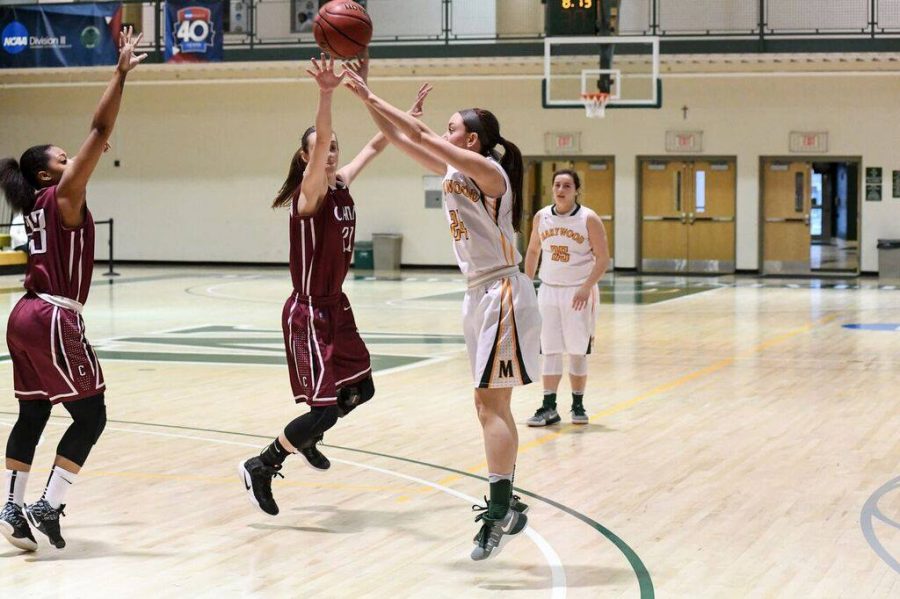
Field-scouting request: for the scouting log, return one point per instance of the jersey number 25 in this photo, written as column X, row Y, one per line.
column 560, row 253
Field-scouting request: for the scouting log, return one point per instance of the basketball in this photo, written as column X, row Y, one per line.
column 343, row 28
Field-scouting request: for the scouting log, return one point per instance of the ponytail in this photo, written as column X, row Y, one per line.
column 515, row 170
column 295, row 173
column 483, row 123
column 18, row 180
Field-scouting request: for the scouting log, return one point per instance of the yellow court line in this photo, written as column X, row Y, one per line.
column 658, row 390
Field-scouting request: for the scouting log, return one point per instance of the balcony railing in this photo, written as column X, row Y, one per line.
column 267, row 29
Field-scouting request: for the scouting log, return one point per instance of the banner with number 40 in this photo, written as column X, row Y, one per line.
column 194, row 31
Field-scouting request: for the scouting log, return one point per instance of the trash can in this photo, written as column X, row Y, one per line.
column 362, row 256
column 889, row 258
column 386, row 252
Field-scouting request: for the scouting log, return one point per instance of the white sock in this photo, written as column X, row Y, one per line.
column 494, row 478
column 15, row 486
column 59, row 482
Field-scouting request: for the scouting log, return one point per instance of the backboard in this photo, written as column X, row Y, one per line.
column 625, row 67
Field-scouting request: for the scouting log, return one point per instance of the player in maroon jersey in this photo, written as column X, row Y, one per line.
column 328, row 363
column 52, row 359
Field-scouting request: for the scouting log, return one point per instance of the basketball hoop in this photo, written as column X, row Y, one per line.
column 595, row 104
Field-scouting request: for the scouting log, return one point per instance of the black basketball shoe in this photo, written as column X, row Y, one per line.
column 257, row 480
column 45, row 518
column 14, row 527
column 315, row 458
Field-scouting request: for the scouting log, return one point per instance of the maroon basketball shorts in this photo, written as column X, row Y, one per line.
column 324, row 349
column 52, row 359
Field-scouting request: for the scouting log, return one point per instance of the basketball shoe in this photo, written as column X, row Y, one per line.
column 579, row 416
column 543, row 417
column 315, row 458
column 495, row 533
column 45, row 518
column 257, row 480
column 14, row 527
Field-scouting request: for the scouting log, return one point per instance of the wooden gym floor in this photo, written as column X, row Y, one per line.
column 743, row 442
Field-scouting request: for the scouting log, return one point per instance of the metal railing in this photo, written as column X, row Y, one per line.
column 285, row 24
column 759, row 18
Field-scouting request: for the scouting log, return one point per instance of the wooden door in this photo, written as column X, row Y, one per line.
column 711, row 216
column 664, row 203
column 786, row 205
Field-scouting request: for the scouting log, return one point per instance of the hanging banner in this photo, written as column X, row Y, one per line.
column 59, row 35
column 194, row 31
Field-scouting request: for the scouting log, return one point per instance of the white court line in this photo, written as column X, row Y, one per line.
column 557, row 572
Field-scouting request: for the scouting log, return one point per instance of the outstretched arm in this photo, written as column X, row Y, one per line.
column 72, row 186
column 377, row 144
column 473, row 165
column 315, row 180
column 414, row 151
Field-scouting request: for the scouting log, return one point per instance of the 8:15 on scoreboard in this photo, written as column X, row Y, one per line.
column 571, row 17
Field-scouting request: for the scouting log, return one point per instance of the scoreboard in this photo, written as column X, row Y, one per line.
column 571, row 17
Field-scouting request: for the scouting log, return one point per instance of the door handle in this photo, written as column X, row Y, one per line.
column 683, row 218
column 691, row 218
column 806, row 219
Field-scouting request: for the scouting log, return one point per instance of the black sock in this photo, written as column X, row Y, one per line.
column 501, row 493
column 550, row 400
column 274, row 454
column 577, row 399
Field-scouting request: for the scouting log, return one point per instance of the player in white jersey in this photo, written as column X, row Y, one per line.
column 569, row 241
column 501, row 321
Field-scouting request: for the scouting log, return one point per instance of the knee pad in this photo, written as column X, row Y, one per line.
column 26, row 433
column 577, row 365
column 553, row 364
column 304, row 431
column 354, row 395
column 88, row 422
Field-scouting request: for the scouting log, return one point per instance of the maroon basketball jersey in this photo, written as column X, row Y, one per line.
column 61, row 260
column 322, row 244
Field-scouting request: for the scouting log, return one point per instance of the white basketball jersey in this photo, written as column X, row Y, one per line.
column 566, row 256
column 481, row 227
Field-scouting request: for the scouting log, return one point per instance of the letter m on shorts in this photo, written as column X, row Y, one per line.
column 506, row 369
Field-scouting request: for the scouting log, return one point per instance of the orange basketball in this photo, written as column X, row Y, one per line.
column 343, row 28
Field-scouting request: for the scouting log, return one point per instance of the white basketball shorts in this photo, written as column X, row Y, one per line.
column 565, row 330
column 502, row 327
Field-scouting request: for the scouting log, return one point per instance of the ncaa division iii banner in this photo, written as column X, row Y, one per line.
column 194, row 30
column 59, row 35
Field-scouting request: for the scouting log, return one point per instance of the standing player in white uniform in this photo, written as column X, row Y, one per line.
column 501, row 322
column 570, row 242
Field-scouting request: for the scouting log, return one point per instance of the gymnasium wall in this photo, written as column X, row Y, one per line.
column 200, row 163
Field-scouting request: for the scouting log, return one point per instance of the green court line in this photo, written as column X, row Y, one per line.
column 640, row 570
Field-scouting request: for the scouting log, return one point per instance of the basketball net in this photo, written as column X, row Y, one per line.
column 595, row 104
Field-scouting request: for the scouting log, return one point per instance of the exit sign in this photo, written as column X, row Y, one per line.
column 684, row 141
column 809, row 141
column 562, row 143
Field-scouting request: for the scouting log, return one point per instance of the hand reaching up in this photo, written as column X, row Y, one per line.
column 127, row 43
column 418, row 106
column 323, row 73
